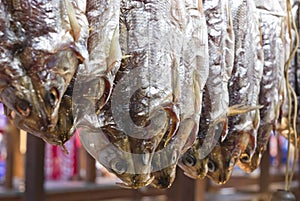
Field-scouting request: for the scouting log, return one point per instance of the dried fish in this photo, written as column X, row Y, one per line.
column 46, row 56
column 142, row 107
column 215, row 96
column 193, row 75
column 270, row 86
column 243, row 90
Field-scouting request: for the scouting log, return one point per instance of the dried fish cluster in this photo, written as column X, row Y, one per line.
column 150, row 84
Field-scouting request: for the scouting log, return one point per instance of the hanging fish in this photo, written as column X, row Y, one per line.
column 98, row 73
column 215, row 96
column 269, row 87
column 142, row 107
column 243, row 88
column 51, row 44
column 193, row 75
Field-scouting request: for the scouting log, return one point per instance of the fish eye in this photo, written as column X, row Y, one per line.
column 54, row 96
column 189, row 160
column 245, row 158
column 23, row 107
column 211, row 166
column 119, row 166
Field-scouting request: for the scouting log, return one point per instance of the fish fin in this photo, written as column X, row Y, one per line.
column 126, row 56
column 229, row 14
column 241, row 109
column 115, row 54
column 105, row 96
column 225, row 130
column 218, row 128
column 174, row 115
column 73, row 20
column 200, row 7
column 256, row 119
column 191, row 139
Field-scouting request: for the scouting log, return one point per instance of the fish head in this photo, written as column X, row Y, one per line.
column 50, row 74
column 126, row 157
column 220, row 164
column 128, row 171
column 64, row 128
column 251, row 156
column 245, row 159
column 58, row 135
column 131, row 168
column 256, row 158
column 164, row 165
column 192, row 163
column 164, row 178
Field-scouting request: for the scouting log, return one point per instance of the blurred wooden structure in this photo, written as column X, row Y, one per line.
column 183, row 188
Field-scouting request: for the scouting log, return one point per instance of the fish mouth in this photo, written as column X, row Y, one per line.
column 162, row 182
column 49, row 137
column 135, row 184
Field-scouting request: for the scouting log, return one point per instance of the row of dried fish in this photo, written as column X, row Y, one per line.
column 154, row 70
column 149, row 84
column 262, row 46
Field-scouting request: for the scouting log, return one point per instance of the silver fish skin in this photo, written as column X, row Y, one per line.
column 98, row 72
column 154, row 39
column 215, row 96
column 193, row 75
column 271, row 84
column 243, row 88
column 142, row 108
column 47, row 55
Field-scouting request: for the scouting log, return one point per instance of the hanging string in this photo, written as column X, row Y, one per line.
column 291, row 94
column 294, row 27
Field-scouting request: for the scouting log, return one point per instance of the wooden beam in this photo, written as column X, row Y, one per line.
column 34, row 173
column 90, row 168
column 264, row 179
column 185, row 188
column 10, row 156
column 89, row 192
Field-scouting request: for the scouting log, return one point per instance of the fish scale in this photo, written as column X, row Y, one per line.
column 270, row 85
column 193, row 75
column 215, row 96
column 140, row 109
column 243, row 87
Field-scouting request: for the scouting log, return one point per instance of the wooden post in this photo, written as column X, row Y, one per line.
column 90, row 168
column 34, row 173
column 264, row 172
column 185, row 188
column 9, row 159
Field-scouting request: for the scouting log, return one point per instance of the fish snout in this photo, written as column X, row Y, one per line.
column 162, row 182
column 140, row 180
